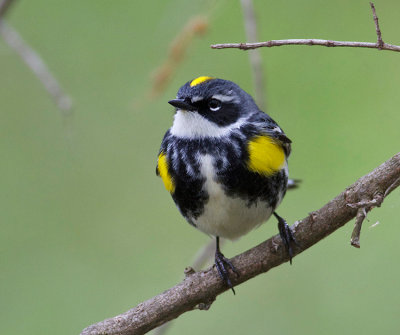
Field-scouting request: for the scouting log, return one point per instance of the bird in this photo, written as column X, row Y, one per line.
column 225, row 164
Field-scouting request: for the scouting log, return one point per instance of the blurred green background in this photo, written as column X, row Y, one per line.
column 88, row 230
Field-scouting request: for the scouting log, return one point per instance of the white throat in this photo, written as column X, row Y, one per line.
column 193, row 125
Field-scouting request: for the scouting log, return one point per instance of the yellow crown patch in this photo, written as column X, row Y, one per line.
column 200, row 80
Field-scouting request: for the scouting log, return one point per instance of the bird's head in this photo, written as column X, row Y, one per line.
column 219, row 102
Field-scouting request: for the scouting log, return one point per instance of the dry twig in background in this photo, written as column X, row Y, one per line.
column 200, row 289
column 380, row 45
column 377, row 28
column 34, row 62
column 254, row 55
column 195, row 26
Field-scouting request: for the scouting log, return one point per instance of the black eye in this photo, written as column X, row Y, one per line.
column 214, row 104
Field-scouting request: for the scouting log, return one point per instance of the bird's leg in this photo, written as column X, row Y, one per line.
column 286, row 235
column 223, row 265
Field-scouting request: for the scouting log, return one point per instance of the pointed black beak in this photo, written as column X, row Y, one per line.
column 182, row 104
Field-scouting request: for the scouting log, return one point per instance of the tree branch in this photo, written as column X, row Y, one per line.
column 324, row 43
column 380, row 45
column 199, row 289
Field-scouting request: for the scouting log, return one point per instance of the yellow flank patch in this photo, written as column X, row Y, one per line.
column 164, row 173
column 266, row 156
column 200, row 80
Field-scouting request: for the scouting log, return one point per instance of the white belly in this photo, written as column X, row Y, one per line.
column 225, row 216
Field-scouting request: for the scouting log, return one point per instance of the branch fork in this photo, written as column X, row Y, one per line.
column 380, row 45
column 366, row 205
column 363, row 207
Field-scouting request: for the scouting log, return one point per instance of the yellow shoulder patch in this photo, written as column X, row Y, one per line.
column 200, row 80
column 266, row 156
column 166, row 177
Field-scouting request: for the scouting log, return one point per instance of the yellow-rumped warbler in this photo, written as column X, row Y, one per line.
column 225, row 163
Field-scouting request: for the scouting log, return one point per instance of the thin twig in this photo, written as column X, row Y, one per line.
column 203, row 287
column 311, row 41
column 378, row 30
column 363, row 207
column 324, row 43
column 35, row 63
column 355, row 236
column 32, row 59
column 254, row 56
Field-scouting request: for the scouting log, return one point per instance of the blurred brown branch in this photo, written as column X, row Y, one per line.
column 199, row 289
column 195, row 26
column 380, row 45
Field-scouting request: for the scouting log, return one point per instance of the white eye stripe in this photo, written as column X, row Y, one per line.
column 197, row 98
column 220, row 97
column 225, row 98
